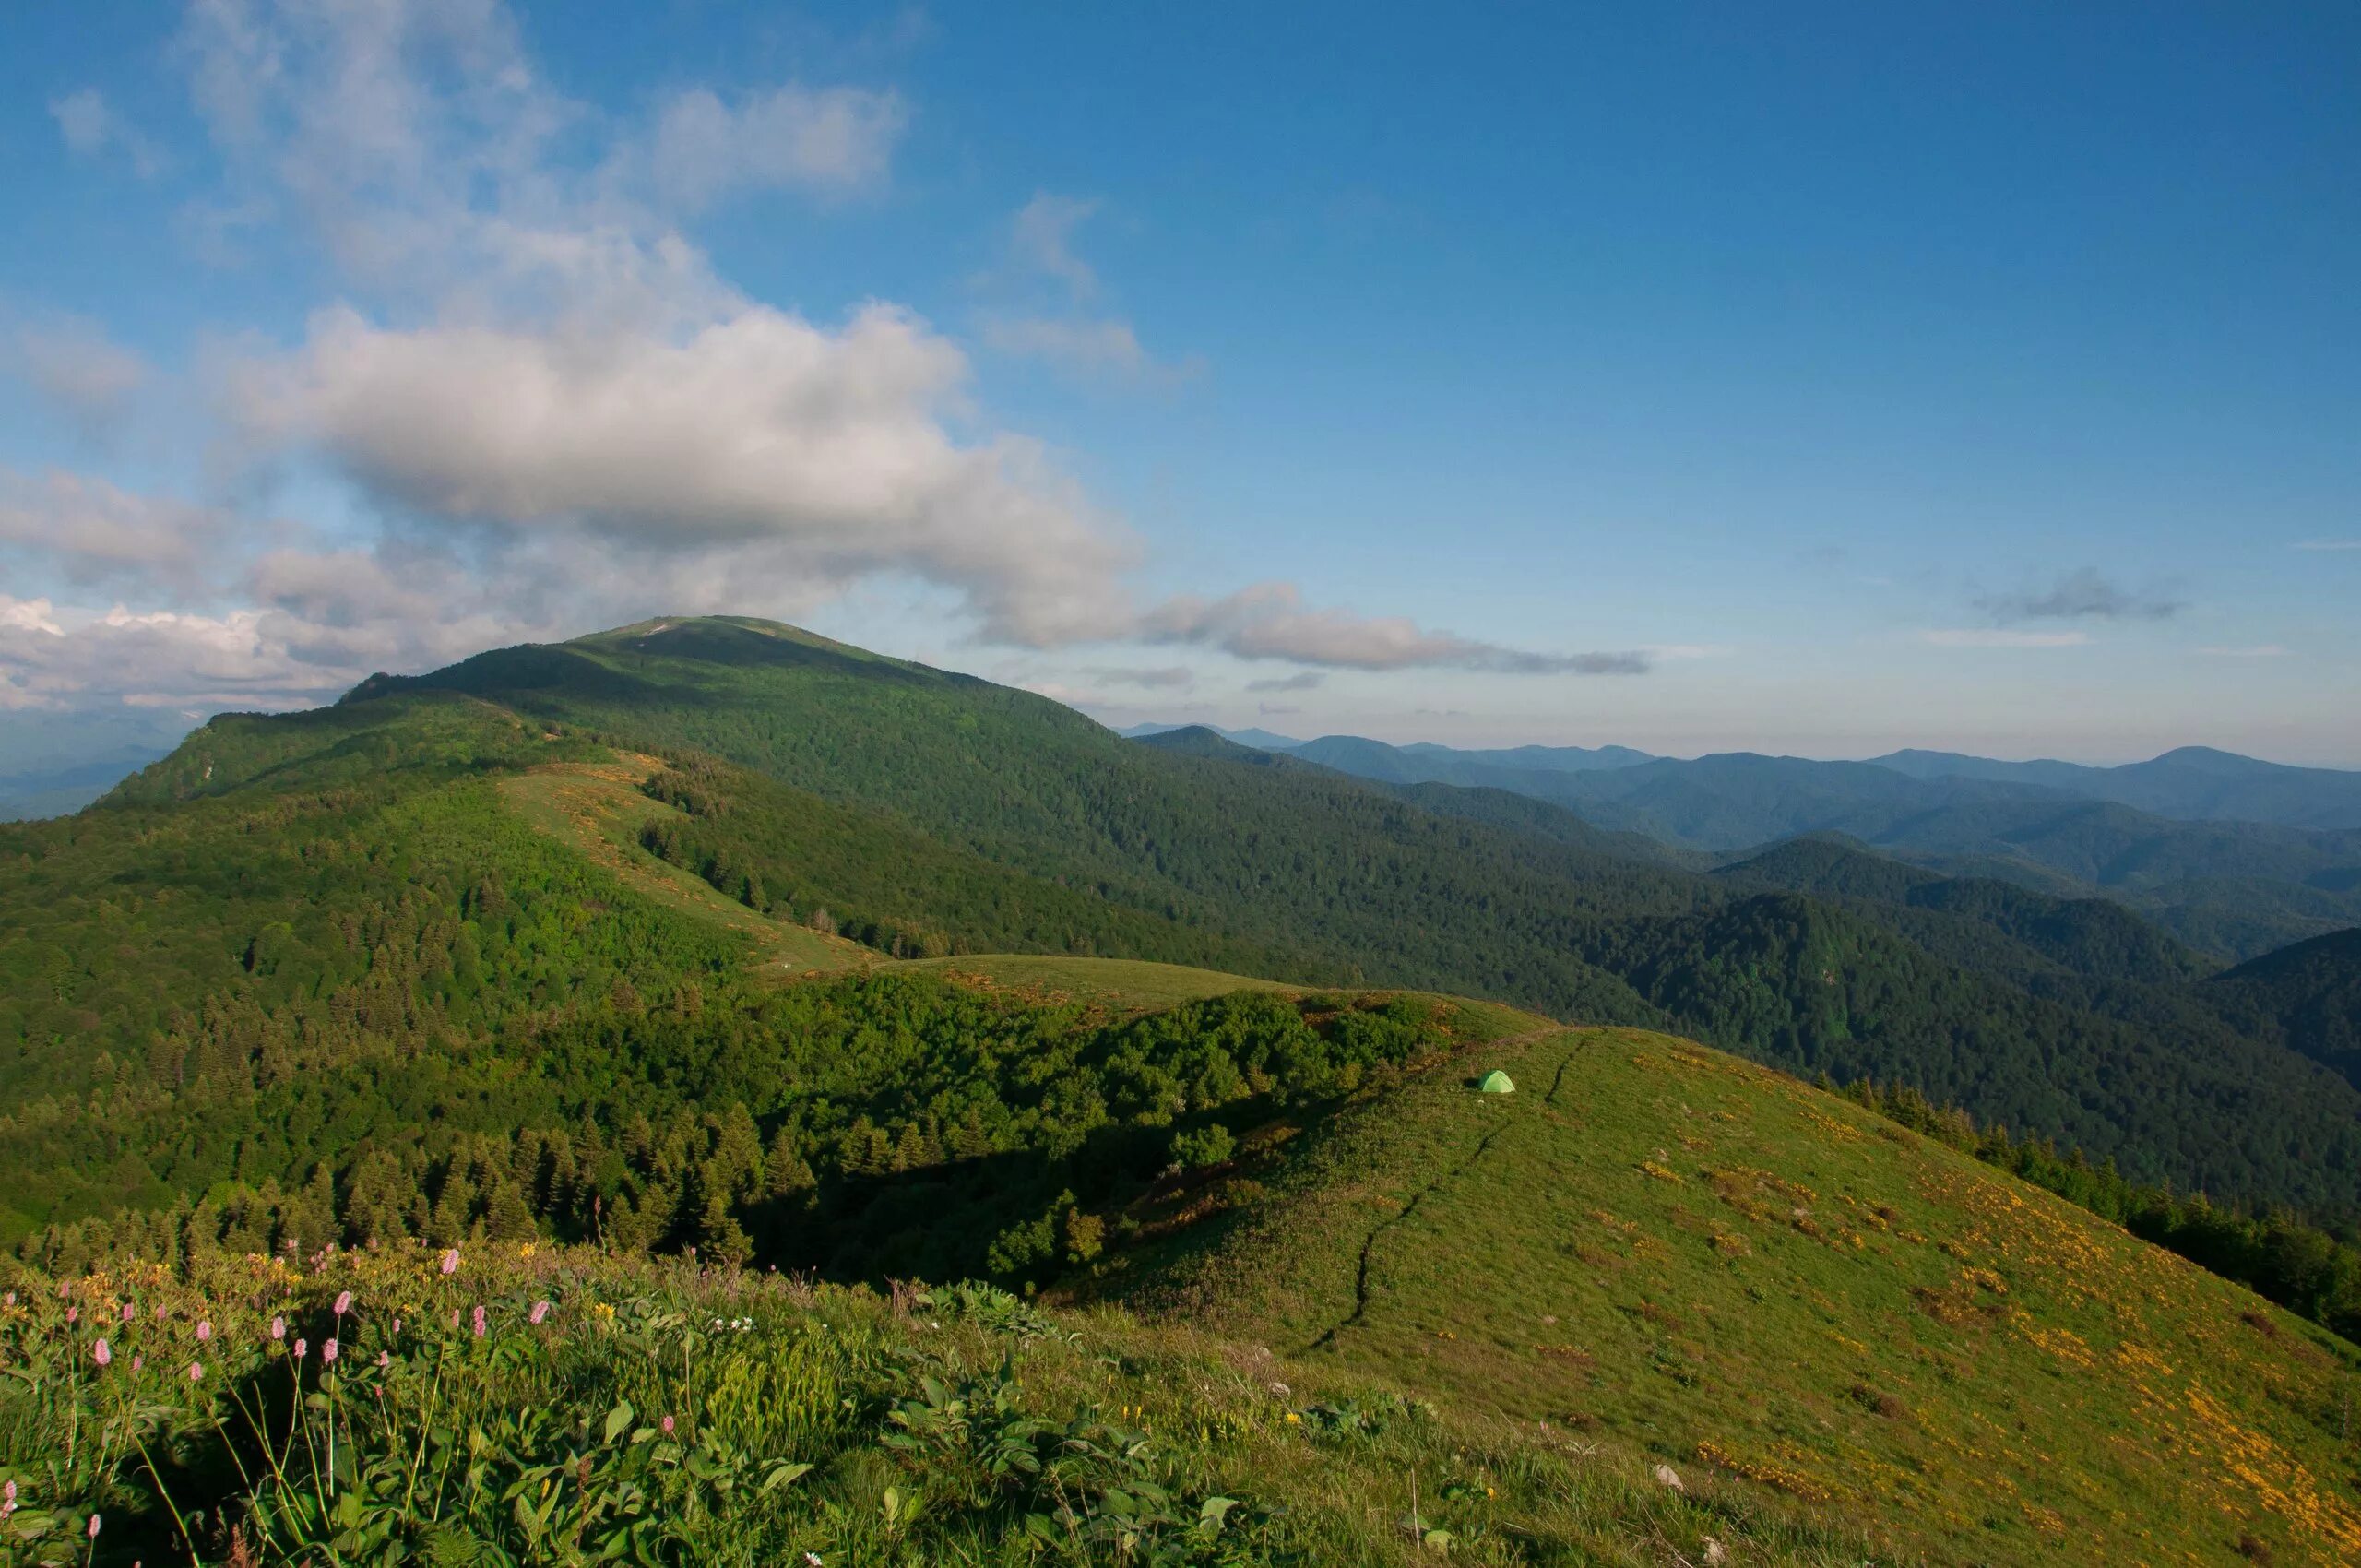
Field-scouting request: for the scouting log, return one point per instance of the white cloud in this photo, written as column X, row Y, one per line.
column 76, row 367
column 830, row 140
column 1993, row 636
column 1271, row 621
column 2261, row 650
column 53, row 658
column 92, row 128
column 810, row 455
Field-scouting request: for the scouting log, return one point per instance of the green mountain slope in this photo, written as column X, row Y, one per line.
column 923, row 813
column 1335, row 879
column 1650, row 1240
column 2307, row 997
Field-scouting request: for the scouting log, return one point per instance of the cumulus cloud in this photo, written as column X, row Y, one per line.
column 1999, row 636
column 53, row 657
column 78, row 368
column 93, row 129
column 2077, row 596
column 811, row 454
column 1271, row 621
column 830, row 140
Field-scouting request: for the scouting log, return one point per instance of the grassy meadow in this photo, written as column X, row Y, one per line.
column 518, row 1404
column 1740, row 1274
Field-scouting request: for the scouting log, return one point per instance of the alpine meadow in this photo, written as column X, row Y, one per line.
column 838, row 787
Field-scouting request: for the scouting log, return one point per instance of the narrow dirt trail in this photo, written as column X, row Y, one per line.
column 1474, row 1158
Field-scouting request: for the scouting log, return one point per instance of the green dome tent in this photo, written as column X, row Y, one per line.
column 1496, row 1082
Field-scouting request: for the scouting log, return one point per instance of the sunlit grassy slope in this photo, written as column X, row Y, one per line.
column 1123, row 981
column 1656, row 1242
column 597, row 808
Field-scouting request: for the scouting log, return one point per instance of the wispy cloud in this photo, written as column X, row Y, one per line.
column 1997, row 637
column 1063, row 324
column 92, row 129
column 830, row 140
column 1303, row 681
column 2084, row 595
column 75, row 365
column 2329, row 544
column 1097, row 348
column 1041, row 239
column 1167, row 677
column 2261, row 650
column 1271, row 621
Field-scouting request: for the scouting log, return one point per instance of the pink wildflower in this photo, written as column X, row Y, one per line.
column 138, row 1361
column 541, row 1309
column 204, row 1331
column 344, row 1303
column 397, row 1325
column 160, row 1312
column 455, row 1317
column 668, row 1426
column 384, row 1359
column 301, row 1344
column 279, row 1328
column 73, row 1314
column 328, row 1351
column 196, row 1373
column 101, row 1354
column 127, row 1310
column 94, row 1526
column 451, row 1261
column 479, row 1324
column 9, row 1492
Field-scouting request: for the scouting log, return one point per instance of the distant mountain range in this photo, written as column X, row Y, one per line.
column 55, row 791
column 2235, row 856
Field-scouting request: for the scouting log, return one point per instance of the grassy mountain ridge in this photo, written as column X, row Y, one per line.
column 1650, row 1238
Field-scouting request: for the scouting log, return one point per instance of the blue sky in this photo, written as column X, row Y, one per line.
column 1695, row 379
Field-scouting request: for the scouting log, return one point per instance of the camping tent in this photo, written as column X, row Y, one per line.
column 1496, row 1082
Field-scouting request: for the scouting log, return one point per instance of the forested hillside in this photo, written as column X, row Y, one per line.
column 299, row 936
column 2233, row 856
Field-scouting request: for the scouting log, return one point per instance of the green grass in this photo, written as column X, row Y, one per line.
column 1123, row 981
column 657, row 1413
column 596, row 809
column 1656, row 1243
